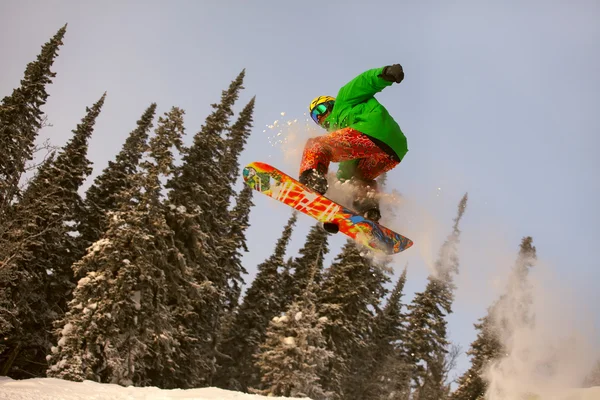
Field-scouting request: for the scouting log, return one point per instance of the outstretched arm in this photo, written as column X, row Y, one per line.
column 369, row 83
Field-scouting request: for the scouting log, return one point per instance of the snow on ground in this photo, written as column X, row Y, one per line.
column 52, row 389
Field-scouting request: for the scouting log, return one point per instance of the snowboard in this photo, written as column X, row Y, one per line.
column 269, row 180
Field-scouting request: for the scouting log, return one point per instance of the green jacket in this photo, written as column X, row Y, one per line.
column 355, row 107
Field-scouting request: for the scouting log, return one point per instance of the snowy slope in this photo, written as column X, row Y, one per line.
column 48, row 388
column 52, row 389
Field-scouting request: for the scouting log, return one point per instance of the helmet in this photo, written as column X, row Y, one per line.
column 320, row 107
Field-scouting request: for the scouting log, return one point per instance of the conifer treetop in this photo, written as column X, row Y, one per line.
column 21, row 118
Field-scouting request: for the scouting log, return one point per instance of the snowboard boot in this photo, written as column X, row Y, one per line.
column 367, row 201
column 373, row 214
column 315, row 180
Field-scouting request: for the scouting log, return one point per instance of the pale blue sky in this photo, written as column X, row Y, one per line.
column 500, row 99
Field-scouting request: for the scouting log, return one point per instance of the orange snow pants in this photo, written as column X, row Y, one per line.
column 358, row 154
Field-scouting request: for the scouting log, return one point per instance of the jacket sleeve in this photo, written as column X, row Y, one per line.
column 362, row 87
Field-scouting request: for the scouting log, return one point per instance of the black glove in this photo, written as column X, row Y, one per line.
column 393, row 73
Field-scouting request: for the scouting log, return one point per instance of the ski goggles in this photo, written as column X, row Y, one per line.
column 320, row 110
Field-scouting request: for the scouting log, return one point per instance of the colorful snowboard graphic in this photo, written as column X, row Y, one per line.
column 274, row 183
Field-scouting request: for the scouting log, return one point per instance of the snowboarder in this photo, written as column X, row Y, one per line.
column 362, row 136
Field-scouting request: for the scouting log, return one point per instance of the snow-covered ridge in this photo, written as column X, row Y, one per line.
column 52, row 389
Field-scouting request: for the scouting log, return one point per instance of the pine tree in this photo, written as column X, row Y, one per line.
column 389, row 371
column 21, row 118
column 197, row 191
column 513, row 309
column 351, row 288
column 197, row 202
column 235, row 240
column 236, row 139
column 294, row 354
column 314, row 250
column 427, row 342
column 484, row 349
column 489, row 346
column 37, row 251
column 261, row 303
column 121, row 326
column 232, row 259
column 102, row 196
column 427, row 326
column 512, row 313
column 389, row 323
column 286, row 279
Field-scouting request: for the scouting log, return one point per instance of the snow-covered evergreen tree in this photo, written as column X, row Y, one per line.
column 232, row 260
column 427, row 338
column 21, row 118
column 197, row 202
column 235, row 241
column 261, row 303
column 37, row 251
column 286, row 278
column 511, row 315
column 295, row 351
column 196, row 191
column 239, row 223
column 513, row 309
column 352, row 288
column 122, row 326
column 311, row 255
column 102, row 196
column 235, row 141
column 488, row 345
column 427, row 343
column 485, row 348
column 294, row 354
column 389, row 371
